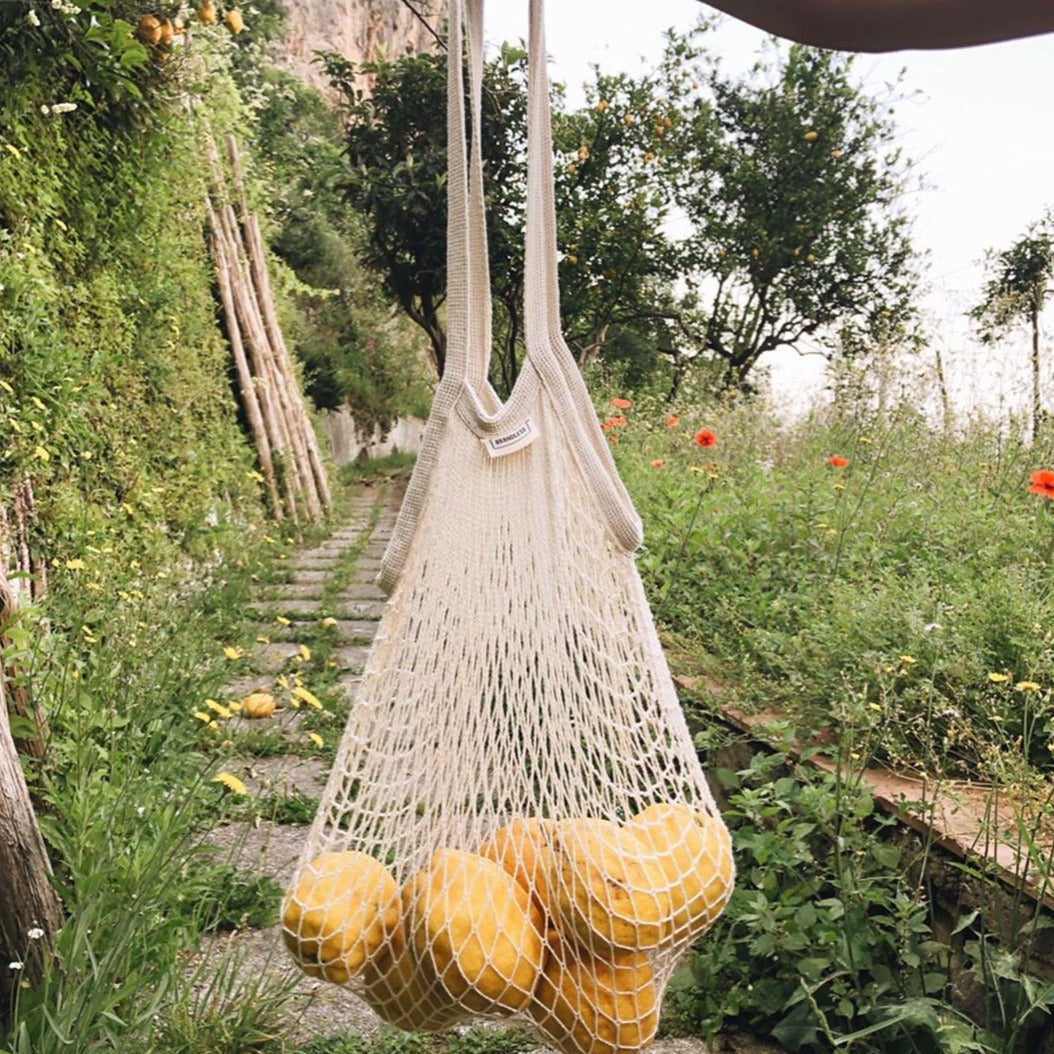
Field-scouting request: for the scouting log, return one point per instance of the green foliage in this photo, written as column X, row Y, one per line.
column 791, row 180
column 877, row 597
column 1016, row 292
column 125, row 790
column 826, row 934
column 113, row 375
column 296, row 808
column 617, row 265
column 474, row 1040
column 1019, row 282
column 227, row 1009
column 826, row 258
column 230, row 899
column 353, row 350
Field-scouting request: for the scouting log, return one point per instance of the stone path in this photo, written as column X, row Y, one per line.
column 333, row 581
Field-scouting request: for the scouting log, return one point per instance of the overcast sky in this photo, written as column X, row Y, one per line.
column 982, row 131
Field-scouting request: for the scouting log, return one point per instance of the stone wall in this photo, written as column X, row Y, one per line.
column 347, row 443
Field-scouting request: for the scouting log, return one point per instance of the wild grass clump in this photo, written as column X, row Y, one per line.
column 867, row 572
column 124, row 792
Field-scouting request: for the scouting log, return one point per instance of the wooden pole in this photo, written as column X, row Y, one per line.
column 30, row 912
column 274, row 420
column 285, row 364
column 273, row 344
column 250, row 400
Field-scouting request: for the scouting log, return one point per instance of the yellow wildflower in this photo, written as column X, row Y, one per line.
column 316, row 739
column 76, row 564
column 41, row 454
column 230, row 781
column 908, row 660
column 305, row 653
column 202, row 716
column 282, row 620
column 263, row 640
column 1027, row 686
column 328, row 621
column 999, row 678
column 232, row 653
column 217, row 708
column 307, row 697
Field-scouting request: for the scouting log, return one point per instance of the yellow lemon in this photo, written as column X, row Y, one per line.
column 340, row 912
column 477, row 928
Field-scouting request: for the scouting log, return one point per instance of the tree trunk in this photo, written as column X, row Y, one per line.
column 30, row 913
column 942, row 384
column 1037, row 413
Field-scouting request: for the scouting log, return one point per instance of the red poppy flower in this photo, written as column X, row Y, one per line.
column 1043, row 483
column 617, row 422
column 605, row 425
column 672, row 422
column 705, row 438
column 838, row 462
column 621, row 404
column 658, row 463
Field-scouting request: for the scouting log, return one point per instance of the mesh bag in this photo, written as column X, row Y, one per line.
column 516, row 823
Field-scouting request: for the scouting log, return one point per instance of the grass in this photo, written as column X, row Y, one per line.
column 477, row 1039
column 130, row 675
column 393, row 464
column 904, row 597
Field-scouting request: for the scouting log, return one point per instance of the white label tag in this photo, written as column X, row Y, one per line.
column 517, row 439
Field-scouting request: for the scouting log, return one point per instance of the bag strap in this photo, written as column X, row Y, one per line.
column 546, row 347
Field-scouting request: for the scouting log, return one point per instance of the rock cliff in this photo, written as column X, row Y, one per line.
column 357, row 29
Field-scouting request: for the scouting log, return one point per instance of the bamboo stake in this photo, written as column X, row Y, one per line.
column 274, row 419
column 289, row 393
column 245, row 380
column 286, row 366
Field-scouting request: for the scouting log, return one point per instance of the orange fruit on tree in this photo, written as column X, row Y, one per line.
column 150, row 29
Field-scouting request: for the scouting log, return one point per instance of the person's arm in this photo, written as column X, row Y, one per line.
column 891, row 25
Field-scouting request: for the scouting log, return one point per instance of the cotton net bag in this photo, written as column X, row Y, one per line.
column 516, row 824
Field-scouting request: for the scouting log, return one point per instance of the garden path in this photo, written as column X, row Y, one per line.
column 334, row 580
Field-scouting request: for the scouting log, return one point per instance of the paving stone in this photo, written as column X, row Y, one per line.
column 287, row 607
column 312, row 574
column 350, row 630
column 362, row 609
column 361, row 591
column 269, row 849
column 243, row 686
column 272, row 657
column 351, row 657
column 351, row 683
column 317, row 555
column 299, row 590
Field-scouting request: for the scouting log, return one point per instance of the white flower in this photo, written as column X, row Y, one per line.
column 64, row 107
column 33, row 18
column 16, row 965
column 35, row 933
column 45, row 109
